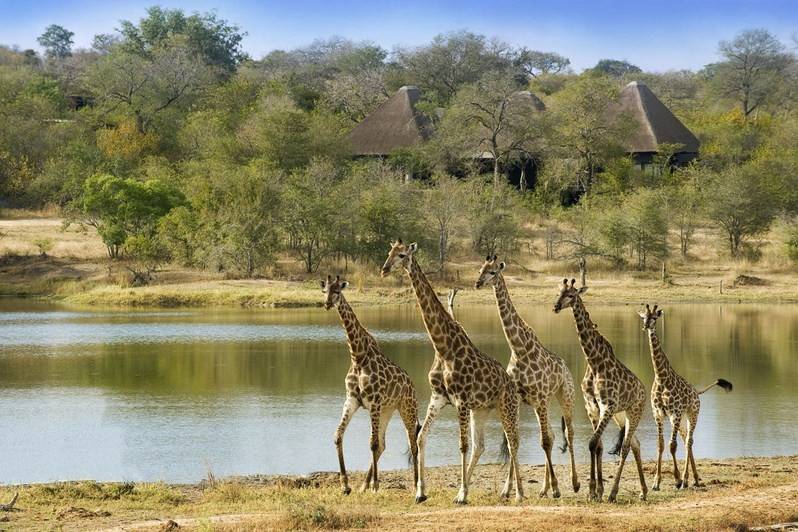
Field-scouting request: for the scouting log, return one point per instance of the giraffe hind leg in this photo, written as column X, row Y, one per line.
column 409, row 414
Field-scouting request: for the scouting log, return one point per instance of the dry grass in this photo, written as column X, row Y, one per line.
column 77, row 271
column 738, row 493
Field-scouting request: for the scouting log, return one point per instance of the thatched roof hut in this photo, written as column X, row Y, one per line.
column 656, row 125
column 393, row 125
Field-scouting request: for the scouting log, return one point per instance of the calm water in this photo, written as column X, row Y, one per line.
column 168, row 395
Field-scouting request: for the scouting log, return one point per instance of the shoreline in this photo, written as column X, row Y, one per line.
column 303, row 294
column 738, row 493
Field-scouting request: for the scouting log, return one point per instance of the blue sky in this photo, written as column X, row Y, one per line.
column 655, row 35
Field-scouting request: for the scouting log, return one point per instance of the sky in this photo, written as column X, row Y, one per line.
column 656, row 35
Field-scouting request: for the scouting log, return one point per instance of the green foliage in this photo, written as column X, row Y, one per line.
column 44, row 245
column 312, row 203
column 741, row 202
column 57, row 41
column 120, row 208
column 213, row 39
column 615, row 68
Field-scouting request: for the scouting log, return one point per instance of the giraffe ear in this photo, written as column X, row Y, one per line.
column 344, row 284
column 412, row 248
column 582, row 290
column 323, row 284
column 502, row 266
column 660, row 312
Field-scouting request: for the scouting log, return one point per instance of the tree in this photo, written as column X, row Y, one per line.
column 684, row 204
column 491, row 119
column 754, row 62
column 615, row 68
column 585, row 128
column 214, row 40
column 447, row 204
column 57, row 41
column 169, row 77
column 740, row 201
column 534, row 64
column 647, row 225
column 451, row 61
column 311, row 202
column 119, row 208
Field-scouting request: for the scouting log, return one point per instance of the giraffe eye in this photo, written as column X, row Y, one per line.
column 402, row 255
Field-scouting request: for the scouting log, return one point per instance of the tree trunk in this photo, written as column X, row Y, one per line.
column 583, row 270
column 495, row 181
column 522, row 180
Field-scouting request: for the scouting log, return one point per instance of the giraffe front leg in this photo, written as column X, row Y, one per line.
column 508, row 412
column 632, row 421
column 639, row 463
column 372, row 476
column 675, row 421
column 409, row 414
column 692, row 457
column 463, row 421
column 596, row 448
column 660, row 449
column 547, row 442
column 436, row 402
column 478, row 418
column 688, row 447
column 350, row 407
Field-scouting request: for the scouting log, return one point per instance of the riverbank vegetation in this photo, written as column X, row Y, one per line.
column 739, row 494
column 180, row 159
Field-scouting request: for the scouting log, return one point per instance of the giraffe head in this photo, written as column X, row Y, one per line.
column 489, row 271
column 649, row 316
column 332, row 291
column 398, row 257
column 568, row 294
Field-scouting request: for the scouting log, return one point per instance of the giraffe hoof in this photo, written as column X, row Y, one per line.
column 519, row 497
column 655, row 488
column 543, row 494
column 642, row 496
column 678, row 484
column 420, row 498
column 612, row 497
column 347, row 490
column 555, row 493
column 576, row 487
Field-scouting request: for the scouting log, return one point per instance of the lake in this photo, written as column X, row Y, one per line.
column 170, row 395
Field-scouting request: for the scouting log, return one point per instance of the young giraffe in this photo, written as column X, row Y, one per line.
column 538, row 373
column 610, row 390
column 673, row 397
column 374, row 382
column 461, row 375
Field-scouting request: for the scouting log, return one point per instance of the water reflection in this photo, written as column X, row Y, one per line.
column 166, row 395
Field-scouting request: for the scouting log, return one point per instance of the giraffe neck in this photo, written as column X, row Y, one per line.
column 518, row 333
column 356, row 335
column 591, row 340
column 438, row 322
column 662, row 367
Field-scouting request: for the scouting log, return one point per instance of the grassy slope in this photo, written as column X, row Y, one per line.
column 77, row 272
column 738, row 493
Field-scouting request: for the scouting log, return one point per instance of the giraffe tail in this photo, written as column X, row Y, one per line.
column 616, row 449
column 723, row 383
column 564, row 437
column 504, row 450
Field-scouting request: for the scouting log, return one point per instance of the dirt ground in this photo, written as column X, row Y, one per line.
column 738, row 494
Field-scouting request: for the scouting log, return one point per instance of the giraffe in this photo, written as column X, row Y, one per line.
column 373, row 382
column 673, row 397
column 610, row 391
column 462, row 376
column 538, row 373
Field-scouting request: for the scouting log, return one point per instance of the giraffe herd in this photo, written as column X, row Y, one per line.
column 476, row 385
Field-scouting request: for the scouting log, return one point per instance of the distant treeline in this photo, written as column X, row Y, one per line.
column 178, row 147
